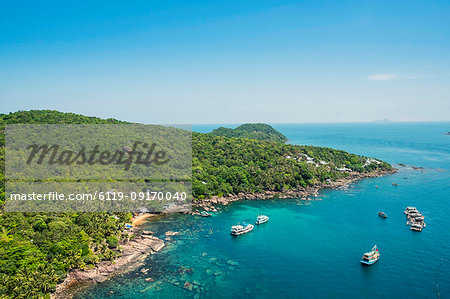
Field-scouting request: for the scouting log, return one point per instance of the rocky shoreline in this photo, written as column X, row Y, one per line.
column 304, row 193
column 135, row 250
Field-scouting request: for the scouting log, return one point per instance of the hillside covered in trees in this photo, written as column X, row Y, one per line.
column 224, row 165
column 251, row 131
column 38, row 249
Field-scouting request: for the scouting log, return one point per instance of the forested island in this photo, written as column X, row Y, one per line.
column 251, row 131
column 37, row 250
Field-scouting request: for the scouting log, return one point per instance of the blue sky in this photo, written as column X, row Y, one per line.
column 228, row 61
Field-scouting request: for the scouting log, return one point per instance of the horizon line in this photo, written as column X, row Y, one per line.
column 381, row 121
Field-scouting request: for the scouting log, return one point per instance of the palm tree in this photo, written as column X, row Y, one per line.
column 4, row 235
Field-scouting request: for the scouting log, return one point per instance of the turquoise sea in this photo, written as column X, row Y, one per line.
column 312, row 249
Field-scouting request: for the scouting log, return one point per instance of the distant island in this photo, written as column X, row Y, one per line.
column 256, row 131
column 385, row 120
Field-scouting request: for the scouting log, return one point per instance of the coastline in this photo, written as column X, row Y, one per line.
column 304, row 193
column 136, row 249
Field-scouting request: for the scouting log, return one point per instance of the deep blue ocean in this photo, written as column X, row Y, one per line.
column 313, row 249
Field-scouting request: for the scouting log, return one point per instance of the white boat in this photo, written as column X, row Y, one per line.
column 371, row 257
column 237, row 230
column 415, row 219
column 411, row 210
column 262, row 219
column 417, row 226
column 413, row 215
column 419, row 218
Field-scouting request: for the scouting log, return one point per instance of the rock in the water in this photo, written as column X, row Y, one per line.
column 147, row 232
column 232, row 263
column 171, row 233
column 149, row 279
column 147, row 288
column 100, row 279
column 212, row 260
column 204, row 254
column 188, row 286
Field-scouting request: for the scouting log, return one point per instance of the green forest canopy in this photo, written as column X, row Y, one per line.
column 251, row 131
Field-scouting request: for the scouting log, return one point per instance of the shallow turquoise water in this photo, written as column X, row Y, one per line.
column 312, row 249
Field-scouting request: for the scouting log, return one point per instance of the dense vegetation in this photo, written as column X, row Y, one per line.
column 251, row 131
column 230, row 165
column 38, row 249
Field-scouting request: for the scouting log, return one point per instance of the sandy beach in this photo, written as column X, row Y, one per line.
column 142, row 218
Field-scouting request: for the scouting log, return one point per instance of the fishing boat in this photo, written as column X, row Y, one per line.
column 415, row 219
column 411, row 210
column 382, row 215
column 417, row 226
column 413, row 215
column 237, row 230
column 205, row 214
column 371, row 257
column 420, row 218
column 261, row 219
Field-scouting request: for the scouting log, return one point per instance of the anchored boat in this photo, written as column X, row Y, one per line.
column 371, row 257
column 411, row 210
column 415, row 219
column 419, row 218
column 382, row 215
column 237, row 230
column 262, row 219
column 205, row 214
column 418, row 226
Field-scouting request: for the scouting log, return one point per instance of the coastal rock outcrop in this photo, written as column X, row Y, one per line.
column 171, row 233
column 303, row 193
column 133, row 254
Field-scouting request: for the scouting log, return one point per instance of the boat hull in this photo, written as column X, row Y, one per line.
column 369, row 263
column 248, row 229
column 262, row 221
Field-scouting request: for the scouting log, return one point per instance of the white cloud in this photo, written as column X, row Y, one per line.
column 382, row 77
column 412, row 77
